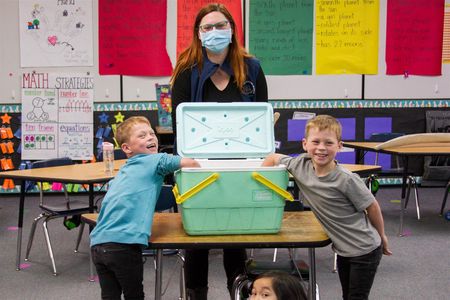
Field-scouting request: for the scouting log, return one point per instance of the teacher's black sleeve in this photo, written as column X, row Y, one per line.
column 261, row 87
column 181, row 92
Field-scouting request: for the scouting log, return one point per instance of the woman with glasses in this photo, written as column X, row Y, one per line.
column 215, row 68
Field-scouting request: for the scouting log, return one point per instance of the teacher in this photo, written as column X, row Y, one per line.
column 215, row 68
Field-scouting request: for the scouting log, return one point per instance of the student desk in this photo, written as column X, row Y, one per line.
column 404, row 152
column 361, row 169
column 298, row 230
column 78, row 173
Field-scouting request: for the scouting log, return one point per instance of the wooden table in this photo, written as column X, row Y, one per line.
column 90, row 174
column 404, row 152
column 298, row 230
column 361, row 169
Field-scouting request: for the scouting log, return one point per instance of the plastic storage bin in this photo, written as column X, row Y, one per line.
column 229, row 196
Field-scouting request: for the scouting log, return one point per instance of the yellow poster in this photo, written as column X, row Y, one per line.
column 347, row 36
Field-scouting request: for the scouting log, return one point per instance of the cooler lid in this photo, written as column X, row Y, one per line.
column 225, row 130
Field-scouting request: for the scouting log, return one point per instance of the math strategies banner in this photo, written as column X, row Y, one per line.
column 57, row 116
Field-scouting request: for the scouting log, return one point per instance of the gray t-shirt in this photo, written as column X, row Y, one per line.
column 338, row 200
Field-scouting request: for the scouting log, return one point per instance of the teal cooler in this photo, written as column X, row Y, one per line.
column 231, row 193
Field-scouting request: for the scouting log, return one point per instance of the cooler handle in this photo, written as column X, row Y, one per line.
column 282, row 192
column 195, row 189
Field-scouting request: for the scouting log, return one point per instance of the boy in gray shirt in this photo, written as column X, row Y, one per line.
column 347, row 210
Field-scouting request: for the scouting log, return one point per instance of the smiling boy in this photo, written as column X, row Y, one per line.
column 126, row 215
column 349, row 213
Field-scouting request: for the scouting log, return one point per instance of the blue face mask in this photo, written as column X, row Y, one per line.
column 216, row 40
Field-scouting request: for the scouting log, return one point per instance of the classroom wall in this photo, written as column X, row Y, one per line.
column 116, row 88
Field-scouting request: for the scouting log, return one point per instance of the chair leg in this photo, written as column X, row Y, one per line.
column 275, row 252
column 412, row 183
column 334, row 263
column 444, row 201
column 183, row 293
column 238, row 283
column 408, row 190
column 32, row 231
column 416, row 196
column 80, row 235
column 49, row 245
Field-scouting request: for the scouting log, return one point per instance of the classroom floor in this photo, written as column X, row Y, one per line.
column 419, row 268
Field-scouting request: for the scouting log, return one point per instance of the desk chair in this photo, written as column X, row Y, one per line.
column 64, row 209
column 166, row 202
column 397, row 171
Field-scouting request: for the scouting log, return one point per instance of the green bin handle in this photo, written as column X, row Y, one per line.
column 283, row 193
column 195, row 189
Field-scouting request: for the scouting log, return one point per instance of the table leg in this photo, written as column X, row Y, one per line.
column 312, row 273
column 403, row 199
column 91, row 268
column 91, row 204
column 91, row 227
column 20, row 224
column 359, row 156
column 91, row 198
column 158, row 277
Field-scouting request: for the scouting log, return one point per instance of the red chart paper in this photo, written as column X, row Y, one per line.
column 414, row 37
column 132, row 38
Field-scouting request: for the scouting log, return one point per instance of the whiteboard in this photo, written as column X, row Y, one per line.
column 383, row 86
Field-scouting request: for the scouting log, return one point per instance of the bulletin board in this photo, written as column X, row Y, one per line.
column 106, row 89
column 114, row 88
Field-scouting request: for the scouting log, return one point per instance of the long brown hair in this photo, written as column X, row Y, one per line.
column 193, row 54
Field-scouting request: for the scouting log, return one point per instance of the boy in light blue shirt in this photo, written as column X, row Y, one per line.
column 125, row 219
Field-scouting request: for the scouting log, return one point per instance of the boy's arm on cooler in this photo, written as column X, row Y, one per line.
column 376, row 218
column 189, row 163
column 272, row 159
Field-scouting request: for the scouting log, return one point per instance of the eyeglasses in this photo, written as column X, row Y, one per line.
column 219, row 26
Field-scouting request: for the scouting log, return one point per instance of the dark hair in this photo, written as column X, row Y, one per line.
column 285, row 286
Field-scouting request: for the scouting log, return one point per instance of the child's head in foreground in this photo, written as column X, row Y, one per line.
column 276, row 285
column 136, row 136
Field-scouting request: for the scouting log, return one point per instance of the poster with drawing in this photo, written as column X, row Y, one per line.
column 55, row 33
column 57, row 116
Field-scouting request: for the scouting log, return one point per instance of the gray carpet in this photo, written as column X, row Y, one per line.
column 419, row 268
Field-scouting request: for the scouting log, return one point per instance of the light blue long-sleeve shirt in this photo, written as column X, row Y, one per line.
column 127, row 210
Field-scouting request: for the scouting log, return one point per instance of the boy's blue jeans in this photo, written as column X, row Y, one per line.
column 119, row 269
column 357, row 274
